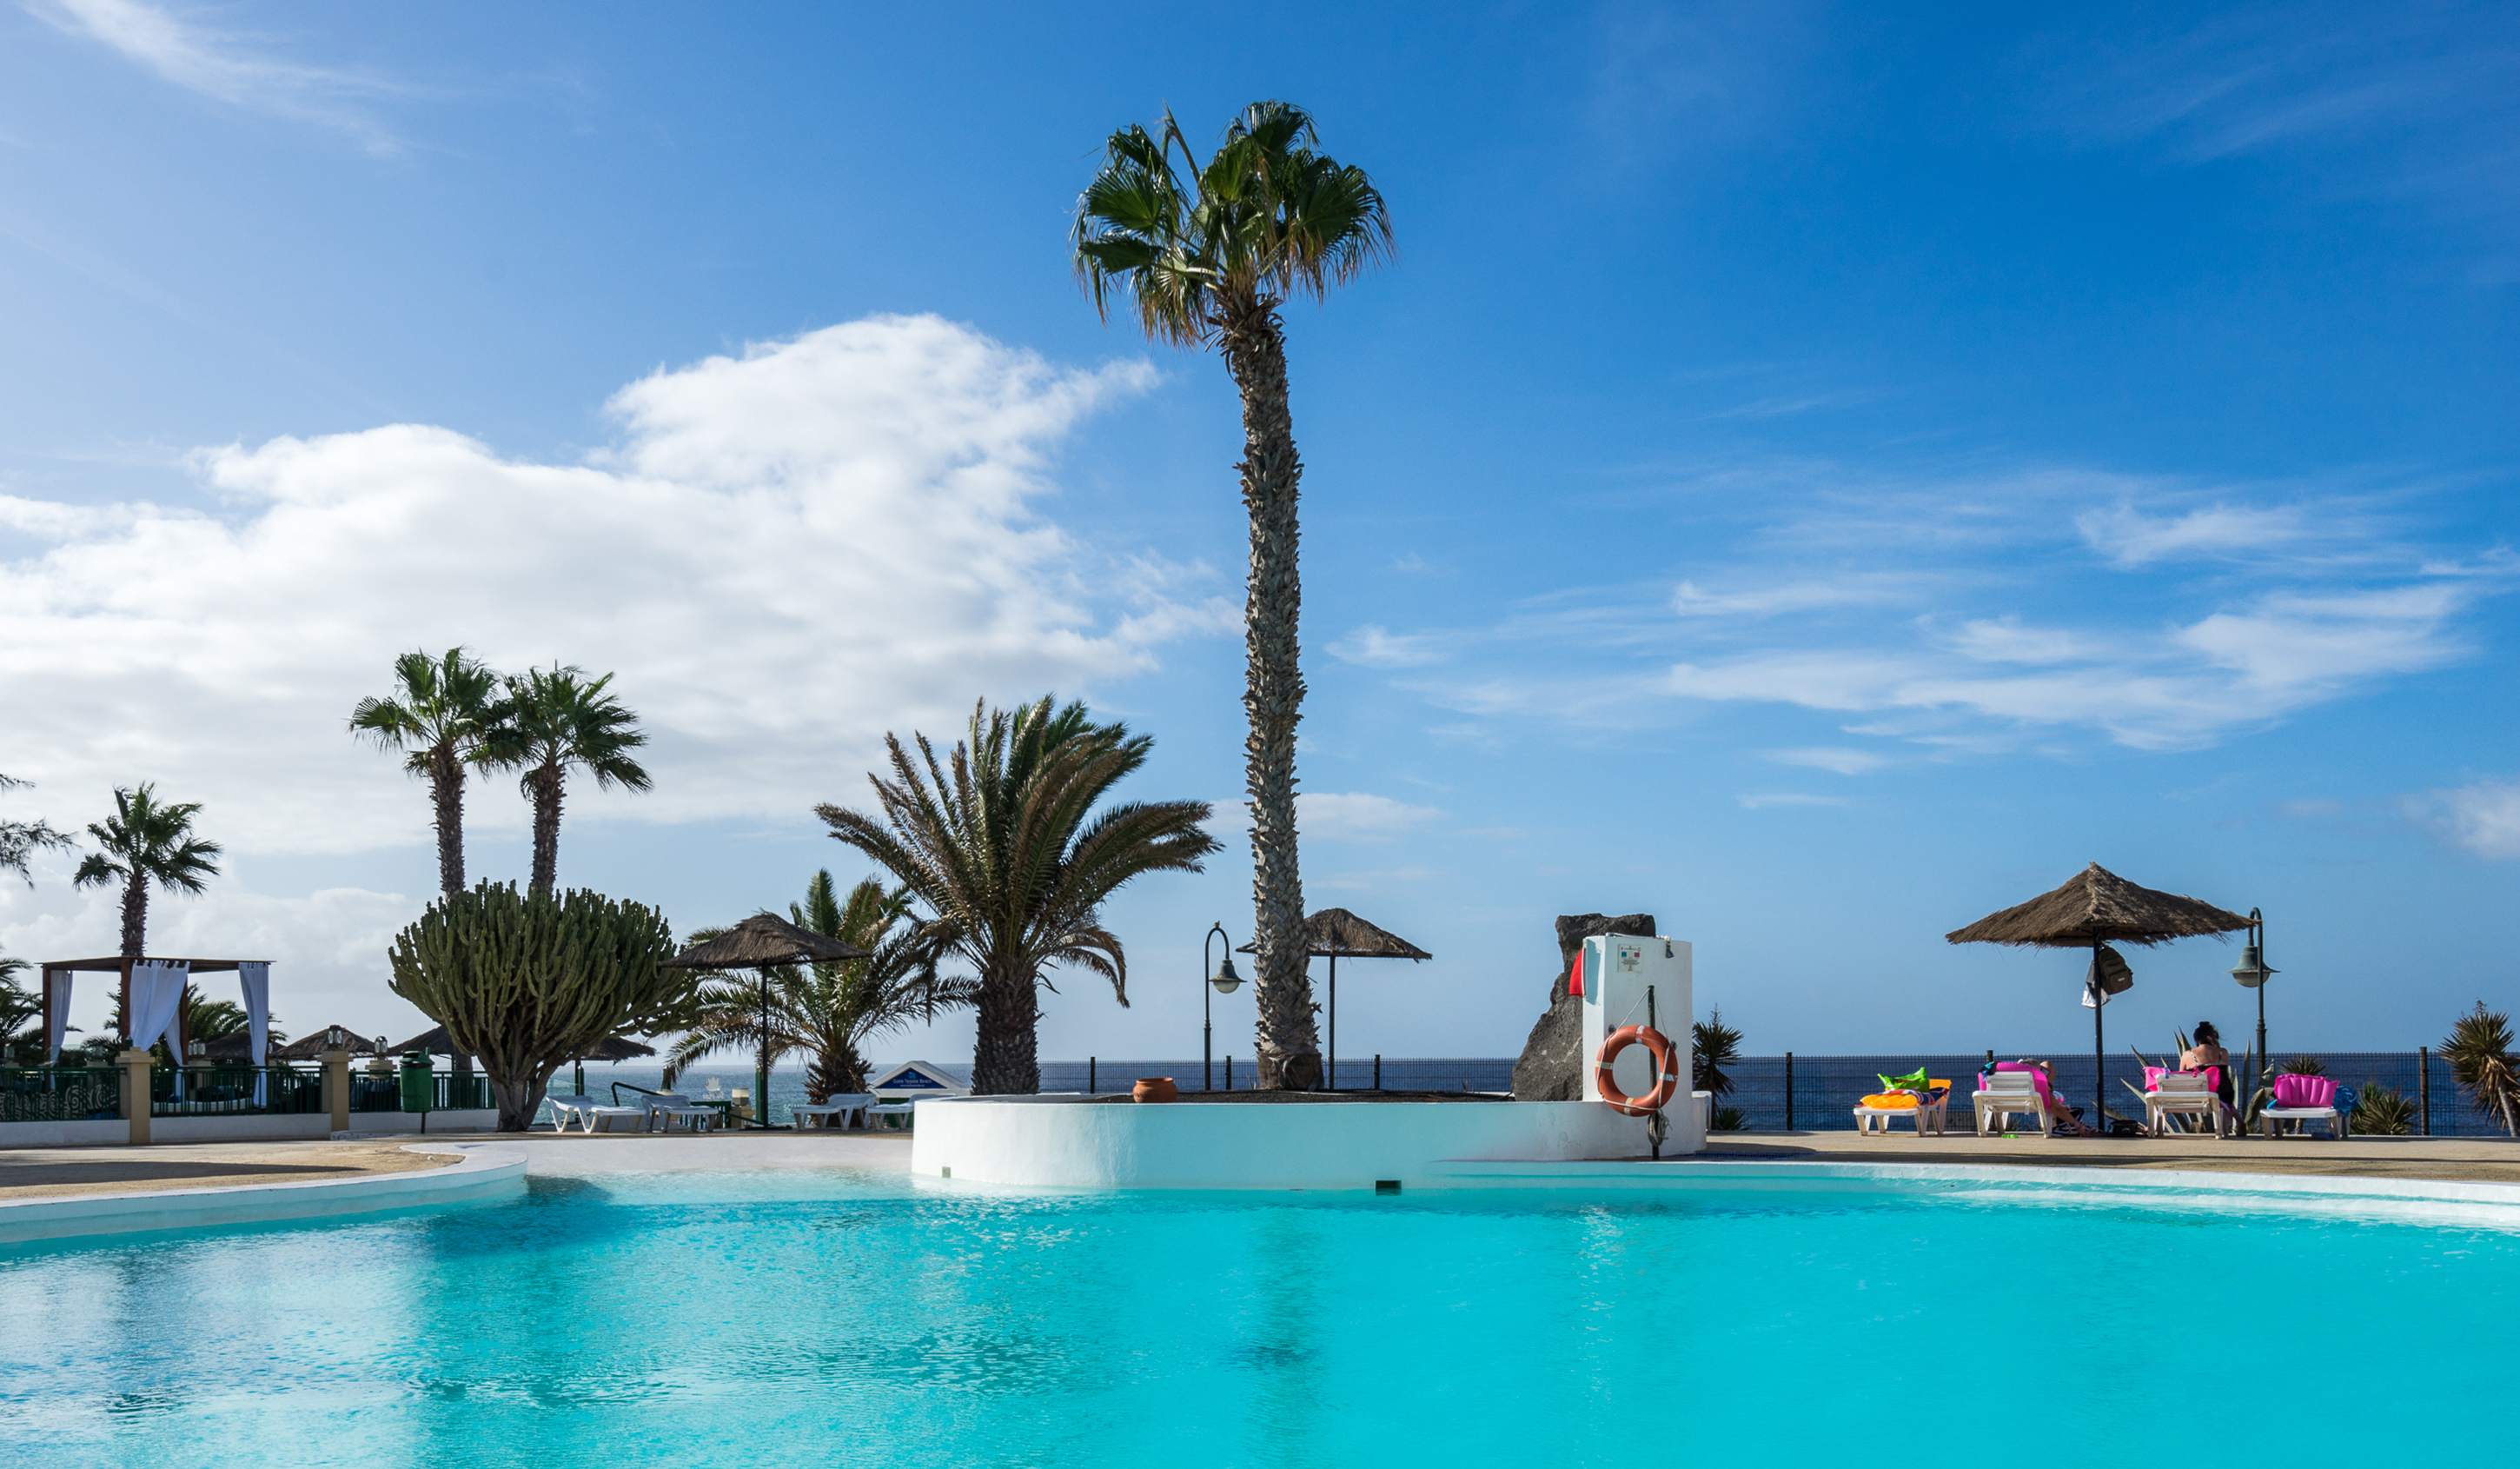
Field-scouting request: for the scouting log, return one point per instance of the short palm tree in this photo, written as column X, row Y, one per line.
column 1207, row 258
column 826, row 1011
column 1013, row 861
column 2479, row 1053
column 215, row 1020
column 441, row 714
column 147, row 841
column 558, row 718
column 21, row 840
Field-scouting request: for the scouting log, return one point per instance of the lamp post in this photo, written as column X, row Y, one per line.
column 2252, row 973
column 1224, row 982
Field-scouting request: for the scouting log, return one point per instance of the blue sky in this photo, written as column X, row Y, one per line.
column 1814, row 475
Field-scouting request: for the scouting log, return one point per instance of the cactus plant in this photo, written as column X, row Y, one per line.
column 528, row 982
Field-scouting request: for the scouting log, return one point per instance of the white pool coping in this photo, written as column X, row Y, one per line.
column 479, row 1172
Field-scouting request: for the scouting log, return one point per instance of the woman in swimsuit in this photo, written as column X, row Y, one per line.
column 2208, row 1051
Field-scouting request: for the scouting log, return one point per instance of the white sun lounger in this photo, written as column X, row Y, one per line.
column 1937, row 1112
column 2186, row 1092
column 2300, row 1118
column 832, row 1113
column 2008, row 1094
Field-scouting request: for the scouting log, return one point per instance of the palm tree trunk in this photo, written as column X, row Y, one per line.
column 1006, row 1059
column 547, row 797
column 446, row 789
column 1255, row 350
column 135, row 914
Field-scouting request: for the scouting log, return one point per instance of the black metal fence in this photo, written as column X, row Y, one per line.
column 1823, row 1089
column 1234, row 1073
column 61, row 1093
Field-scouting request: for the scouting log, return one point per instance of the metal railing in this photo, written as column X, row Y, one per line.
column 61, row 1093
column 1792, row 1091
column 449, row 1091
column 216, row 1090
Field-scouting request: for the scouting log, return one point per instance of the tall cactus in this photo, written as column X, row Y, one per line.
column 528, row 982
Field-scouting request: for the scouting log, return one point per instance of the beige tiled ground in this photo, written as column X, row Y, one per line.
column 36, row 1172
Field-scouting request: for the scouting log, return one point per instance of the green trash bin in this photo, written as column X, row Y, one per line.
column 419, row 1087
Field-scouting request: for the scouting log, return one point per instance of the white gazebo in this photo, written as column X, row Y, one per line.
column 151, row 1002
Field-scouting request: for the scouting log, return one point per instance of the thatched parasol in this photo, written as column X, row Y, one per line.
column 1334, row 933
column 764, row 941
column 2096, row 907
column 314, row 1043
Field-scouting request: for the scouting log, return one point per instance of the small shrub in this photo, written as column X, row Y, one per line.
column 2303, row 1065
column 1713, row 1046
column 1729, row 1120
column 2382, row 1111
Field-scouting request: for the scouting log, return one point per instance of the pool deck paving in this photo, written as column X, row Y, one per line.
column 2465, row 1159
column 40, row 1173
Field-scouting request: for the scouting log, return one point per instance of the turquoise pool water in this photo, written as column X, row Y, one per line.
column 831, row 1318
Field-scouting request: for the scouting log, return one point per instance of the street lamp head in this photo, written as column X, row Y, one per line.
column 1226, row 979
column 2252, row 969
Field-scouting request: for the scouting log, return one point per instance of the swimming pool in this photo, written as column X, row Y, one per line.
column 834, row 1316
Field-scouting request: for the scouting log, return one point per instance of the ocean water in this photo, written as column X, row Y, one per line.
column 834, row 1318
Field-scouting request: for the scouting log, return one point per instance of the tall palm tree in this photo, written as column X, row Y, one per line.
column 1013, row 861
column 147, row 841
column 558, row 718
column 828, row 1011
column 442, row 712
column 1207, row 258
column 21, row 840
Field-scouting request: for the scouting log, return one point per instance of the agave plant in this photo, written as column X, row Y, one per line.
column 2479, row 1053
column 1727, row 1120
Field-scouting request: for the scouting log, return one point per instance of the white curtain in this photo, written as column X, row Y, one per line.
column 256, row 976
column 157, row 994
column 57, row 1024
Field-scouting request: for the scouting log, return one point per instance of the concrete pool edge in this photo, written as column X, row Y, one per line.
column 477, row 1172
column 1818, row 1178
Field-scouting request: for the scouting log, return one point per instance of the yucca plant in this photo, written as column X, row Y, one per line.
column 2479, row 1053
column 1729, row 1119
column 2301, row 1066
column 2384, row 1111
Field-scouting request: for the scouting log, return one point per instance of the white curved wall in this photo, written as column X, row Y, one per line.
column 1310, row 1145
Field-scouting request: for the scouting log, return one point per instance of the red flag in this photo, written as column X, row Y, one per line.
column 1575, row 976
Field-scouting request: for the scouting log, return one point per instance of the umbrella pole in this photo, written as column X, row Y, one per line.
column 1333, row 1065
column 2099, row 1003
column 761, row 1068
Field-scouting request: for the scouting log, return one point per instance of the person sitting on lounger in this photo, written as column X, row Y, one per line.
column 2044, row 1079
column 2208, row 1051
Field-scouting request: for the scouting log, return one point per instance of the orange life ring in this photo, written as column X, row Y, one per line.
column 1666, row 1058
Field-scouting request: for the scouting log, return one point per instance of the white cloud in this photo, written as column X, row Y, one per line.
column 1790, row 798
column 2004, row 640
column 2132, row 539
column 1334, row 816
column 225, row 68
column 789, row 553
column 1842, row 761
column 1377, row 646
column 1690, row 600
column 2484, row 818
column 2180, row 687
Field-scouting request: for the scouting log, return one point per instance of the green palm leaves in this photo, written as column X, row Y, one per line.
column 2479, row 1053
column 559, row 719
column 147, row 841
column 21, row 840
column 1003, row 842
column 1263, row 219
column 442, row 712
column 451, row 711
column 826, row 1011
column 1206, row 251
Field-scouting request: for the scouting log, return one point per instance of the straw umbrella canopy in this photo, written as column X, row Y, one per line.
column 2096, row 907
column 1335, row 933
column 763, row 942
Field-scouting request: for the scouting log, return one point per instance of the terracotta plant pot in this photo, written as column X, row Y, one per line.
column 1155, row 1090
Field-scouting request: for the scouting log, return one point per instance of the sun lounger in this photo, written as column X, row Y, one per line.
column 589, row 1114
column 2300, row 1101
column 666, row 1107
column 907, row 1112
column 1936, row 1110
column 832, row 1113
column 2007, row 1094
column 2183, row 1092
column 566, row 1107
